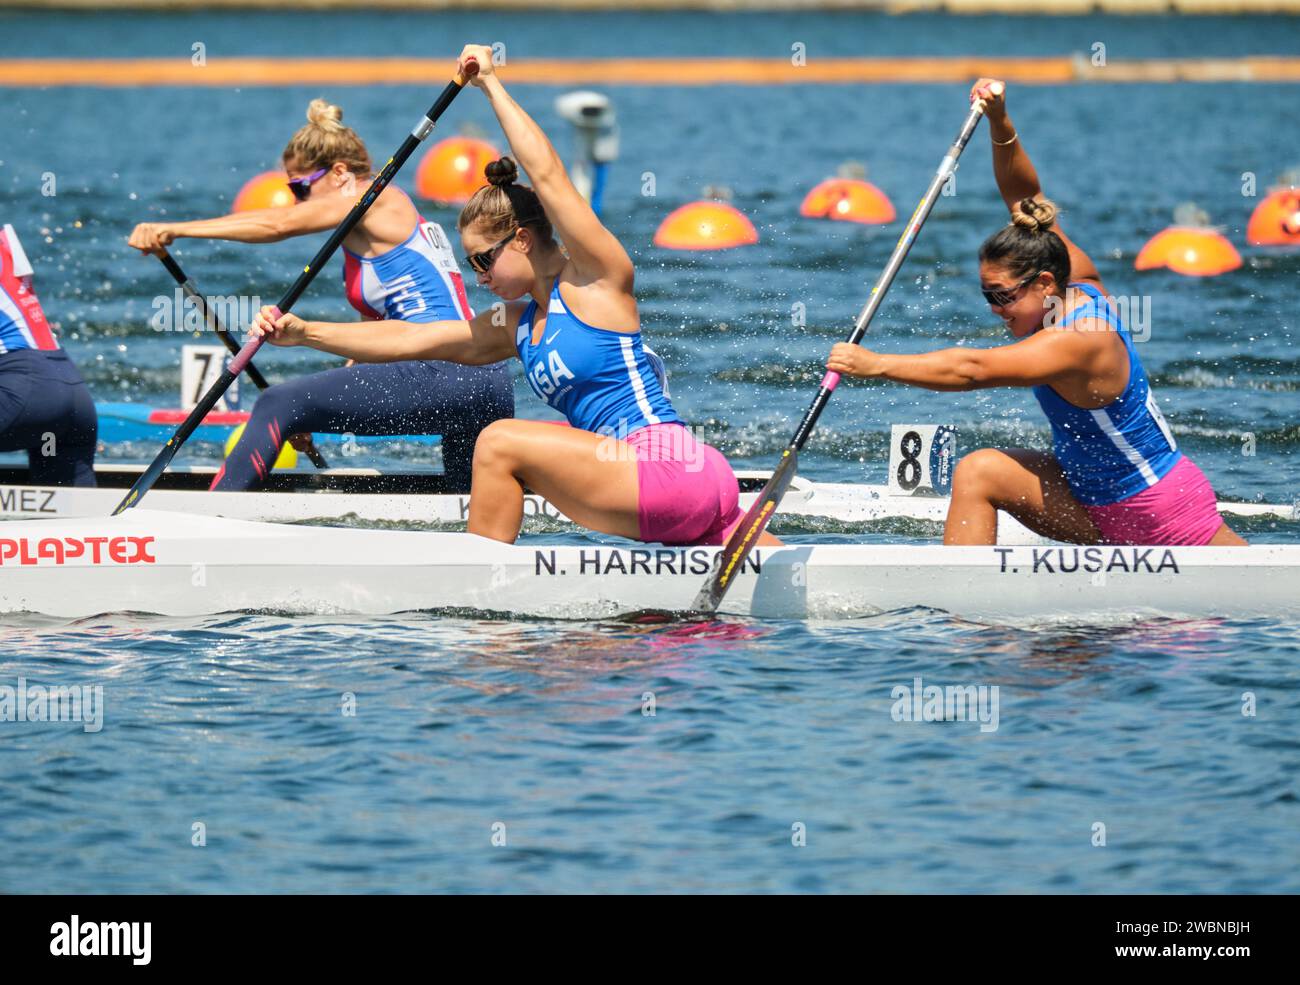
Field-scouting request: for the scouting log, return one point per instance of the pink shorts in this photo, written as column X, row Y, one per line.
column 688, row 493
column 1179, row 509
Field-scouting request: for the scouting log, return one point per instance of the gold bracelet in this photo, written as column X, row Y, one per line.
column 1004, row 143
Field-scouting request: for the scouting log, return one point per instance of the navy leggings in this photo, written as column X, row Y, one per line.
column 46, row 410
column 424, row 397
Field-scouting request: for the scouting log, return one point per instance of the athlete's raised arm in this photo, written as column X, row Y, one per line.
column 1015, row 173
column 488, row 337
column 593, row 249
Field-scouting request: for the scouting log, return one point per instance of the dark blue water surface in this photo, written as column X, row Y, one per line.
column 536, row 732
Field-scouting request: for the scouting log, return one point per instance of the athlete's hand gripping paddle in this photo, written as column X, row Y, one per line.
column 213, row 322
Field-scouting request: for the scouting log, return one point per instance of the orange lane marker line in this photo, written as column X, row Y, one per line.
column 635, row 71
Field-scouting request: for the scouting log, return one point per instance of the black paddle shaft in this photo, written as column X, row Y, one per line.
column 213, row 322
column 731, row 559
column 237, row 364
column 209, row 316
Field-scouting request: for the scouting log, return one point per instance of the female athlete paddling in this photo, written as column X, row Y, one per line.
column 627, row 465
column 396, row 266
column 1116, row 474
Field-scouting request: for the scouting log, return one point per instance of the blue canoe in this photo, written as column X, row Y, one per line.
column 125, row 422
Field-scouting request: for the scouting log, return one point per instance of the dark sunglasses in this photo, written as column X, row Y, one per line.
column 301, row 187
column 482, row 262
column 1003, row 297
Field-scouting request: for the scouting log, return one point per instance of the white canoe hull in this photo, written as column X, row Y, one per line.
column 184, row 565
column 848, row 503
column 844, row 502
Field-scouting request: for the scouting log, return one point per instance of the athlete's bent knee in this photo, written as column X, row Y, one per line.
column 494, row 447
column 283, row 404
column 976, row 474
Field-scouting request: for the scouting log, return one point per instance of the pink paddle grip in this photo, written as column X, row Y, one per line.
column 245, row 355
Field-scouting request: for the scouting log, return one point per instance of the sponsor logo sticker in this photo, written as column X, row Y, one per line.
column 87, row 550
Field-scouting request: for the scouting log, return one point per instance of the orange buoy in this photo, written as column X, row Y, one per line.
column 452, row 170
column 1190, row 250
column 705, row 226
column 268, row 190
column 850, row 200
column 1276, row 220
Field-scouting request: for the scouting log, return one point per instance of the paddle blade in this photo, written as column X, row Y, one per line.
column 731, row 558
column 149, row 476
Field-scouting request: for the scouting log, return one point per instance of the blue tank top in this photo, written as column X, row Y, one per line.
column 1116, row 451
column 418, row 281
column 600, row 380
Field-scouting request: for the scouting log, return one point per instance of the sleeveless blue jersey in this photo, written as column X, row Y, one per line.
column 600, row 380
column 1116, row 451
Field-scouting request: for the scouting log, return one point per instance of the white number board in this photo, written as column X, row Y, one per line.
column 200, row 367
column 921, row 459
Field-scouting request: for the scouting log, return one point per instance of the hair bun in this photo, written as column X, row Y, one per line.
column 1035, row 215
column 501, row 172
column 325, row 115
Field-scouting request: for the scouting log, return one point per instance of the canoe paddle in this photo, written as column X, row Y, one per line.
column 213, row 322
column 240, row 361
column 731, row 558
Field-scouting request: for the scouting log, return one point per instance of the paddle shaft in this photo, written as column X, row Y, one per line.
column 947, row 168
column 732, row 557
column 241, row 359
column 213, row 322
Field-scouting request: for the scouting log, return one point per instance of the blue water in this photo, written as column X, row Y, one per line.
column 236, row 722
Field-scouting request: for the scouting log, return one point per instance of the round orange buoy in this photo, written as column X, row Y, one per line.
column 1189, row 250
column 850, row 200
column 705, row 226
column 268, row 190
column 1276, row 220
column 452, row 170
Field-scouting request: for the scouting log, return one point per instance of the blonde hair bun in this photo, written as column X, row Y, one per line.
column 326, row 116
column 1033, row 214
column 325, row 139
